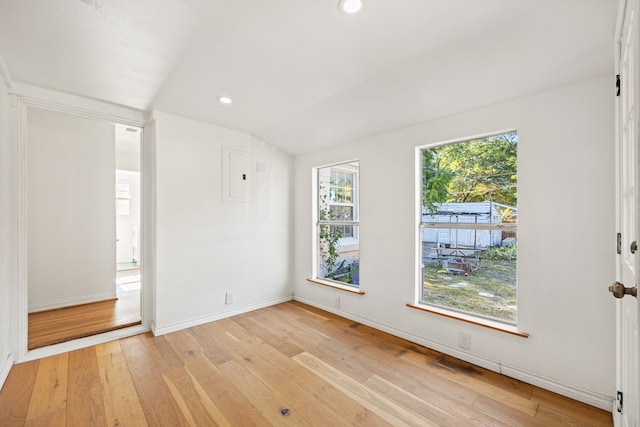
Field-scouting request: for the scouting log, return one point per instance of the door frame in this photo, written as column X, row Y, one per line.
column 24, row 96
column 618, row 321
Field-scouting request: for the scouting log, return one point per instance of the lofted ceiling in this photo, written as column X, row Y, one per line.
column 302, row 75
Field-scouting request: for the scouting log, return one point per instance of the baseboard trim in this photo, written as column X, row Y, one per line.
column 5, row 369
column 585, row 396
column 70, row 302
column 162, row 330
column 568, row 390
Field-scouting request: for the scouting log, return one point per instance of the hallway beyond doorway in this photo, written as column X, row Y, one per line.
column 69, row 323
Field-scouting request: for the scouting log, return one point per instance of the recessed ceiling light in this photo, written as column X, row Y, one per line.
column 350, row 6
column 224, row 100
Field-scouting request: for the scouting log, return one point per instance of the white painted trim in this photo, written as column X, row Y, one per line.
column 213, row 317
column 5, row 369
column 148, row 224
column 79, row 106
column 64, row 347
column 617, row 35
column 68, row 302
column 594, row 399
column 4, row 72
column 582, row 395
column 19, row 139
column 617, row 417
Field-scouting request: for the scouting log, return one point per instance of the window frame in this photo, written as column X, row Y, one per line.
column 348, row 242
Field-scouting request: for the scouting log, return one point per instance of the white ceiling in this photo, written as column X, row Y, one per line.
column 302, row 75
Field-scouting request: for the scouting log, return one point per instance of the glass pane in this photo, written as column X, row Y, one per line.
column 341, row 186
column 348, row 195
column 338, row 260
column 471, row 270
column 341, row 213
column 343, row 230
column 475, row 171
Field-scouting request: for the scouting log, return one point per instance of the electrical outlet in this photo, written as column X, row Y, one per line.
column 336, row 302
column 228, row 298
column 464, row 341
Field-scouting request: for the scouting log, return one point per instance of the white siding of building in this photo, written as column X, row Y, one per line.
column 462, row 213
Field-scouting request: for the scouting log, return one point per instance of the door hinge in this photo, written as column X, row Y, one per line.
column 619, row 398
column 617, row 84
column 619, row 243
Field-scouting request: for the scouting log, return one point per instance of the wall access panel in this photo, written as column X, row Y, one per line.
column 236, row 167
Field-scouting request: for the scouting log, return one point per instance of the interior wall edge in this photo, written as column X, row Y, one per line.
column 7, row 243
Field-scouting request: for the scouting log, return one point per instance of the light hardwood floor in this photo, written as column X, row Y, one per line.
column 65, row 324
column 286, row 365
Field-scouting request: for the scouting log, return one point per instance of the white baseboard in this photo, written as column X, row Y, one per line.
column 69, row 302
column 5, row 368
column 162, row 330
column 577, row 393
column 590, row 398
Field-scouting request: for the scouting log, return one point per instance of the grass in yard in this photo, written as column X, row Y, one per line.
column 489, row 291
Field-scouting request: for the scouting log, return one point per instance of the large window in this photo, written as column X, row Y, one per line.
column 468, row 229
column 338, row 248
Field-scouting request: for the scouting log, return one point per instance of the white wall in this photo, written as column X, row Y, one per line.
column 8, row 239
column 70, row 209
column 206, row 247
column 128, row 225
column 127, row 160
column 566, row 191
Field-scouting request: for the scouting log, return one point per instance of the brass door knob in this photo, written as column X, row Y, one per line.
column 619, row 290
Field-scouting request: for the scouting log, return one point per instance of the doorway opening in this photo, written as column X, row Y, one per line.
column 101, row 174
column 127, row 190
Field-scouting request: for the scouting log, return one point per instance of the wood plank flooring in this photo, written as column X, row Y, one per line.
column 286, row 365
column 69, row 323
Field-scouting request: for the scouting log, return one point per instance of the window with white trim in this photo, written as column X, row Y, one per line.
column 337, row 227
column 468, row 229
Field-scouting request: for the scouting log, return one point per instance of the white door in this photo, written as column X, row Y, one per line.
column 627, row 408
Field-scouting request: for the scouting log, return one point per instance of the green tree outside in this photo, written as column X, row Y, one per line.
column 471, row 171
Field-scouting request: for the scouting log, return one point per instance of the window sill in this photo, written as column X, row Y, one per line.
column 485, row 323
column 335, row 285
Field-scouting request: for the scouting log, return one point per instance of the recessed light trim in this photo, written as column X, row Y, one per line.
column 225, row 100
column 350, row 6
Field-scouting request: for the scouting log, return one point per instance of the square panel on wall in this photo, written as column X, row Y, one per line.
column 236, row 168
